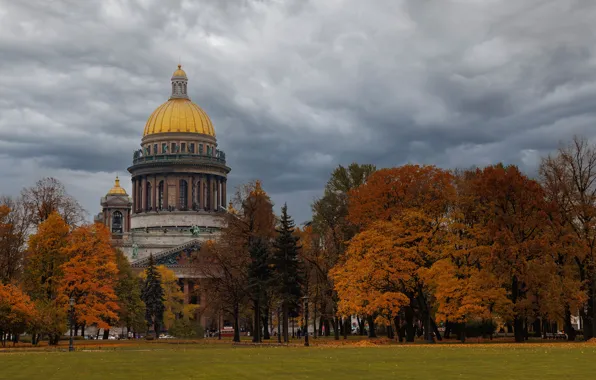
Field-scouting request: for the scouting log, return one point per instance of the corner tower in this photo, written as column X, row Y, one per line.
column 179, row 177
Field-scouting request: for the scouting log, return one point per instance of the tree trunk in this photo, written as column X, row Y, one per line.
column 336, row 327
column 371, row 327
column 390, row 334
column 106, row 334
column 256, row 336
column 410, row 332
column 321, row 322
column 286, row 327
column 462, row 333
column 347, row 327
column 518, row 329
column 314, row 321
column 360, row 325
column 327, row 327
column 435, row 328
column 569, row 330
column 537, row 325
column 447, row 329
column 265, row 319
column 397, row 322
column 76, row 330
column 236, row 324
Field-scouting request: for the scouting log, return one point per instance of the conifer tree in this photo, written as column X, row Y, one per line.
column 289, row 276
column 259, row 277
column 153, row 297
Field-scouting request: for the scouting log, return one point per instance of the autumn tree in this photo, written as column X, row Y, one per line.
column 463, row 290
column 89, row 276
column 152, row 295
column 49, row 196
column 131, row 310
column 249, row 219
column 17, row 312
column 288, row 272
column 42, row 275
column 569, row 178
column 13, row 235
column 46, row 255
column 332, row 228
column 511, row 209
column 224, row 268
column 411, row 204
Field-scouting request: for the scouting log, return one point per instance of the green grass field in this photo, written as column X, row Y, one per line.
column 222, row 361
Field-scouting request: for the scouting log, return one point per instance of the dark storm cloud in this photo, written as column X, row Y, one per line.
column 294, row 88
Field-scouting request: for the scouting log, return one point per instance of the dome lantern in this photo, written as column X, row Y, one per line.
column 179, row 83
column 117, row 190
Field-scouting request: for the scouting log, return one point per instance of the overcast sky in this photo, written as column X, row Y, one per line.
column 294, row 88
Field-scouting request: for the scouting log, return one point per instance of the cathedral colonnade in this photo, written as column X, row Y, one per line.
column 179, row 192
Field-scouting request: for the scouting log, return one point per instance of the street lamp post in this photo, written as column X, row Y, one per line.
column 71, row 343
column 306, row 344
column 279, row 323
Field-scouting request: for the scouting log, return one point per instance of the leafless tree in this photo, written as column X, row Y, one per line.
column 13, row 239
column 48, row 195
column 569, row 178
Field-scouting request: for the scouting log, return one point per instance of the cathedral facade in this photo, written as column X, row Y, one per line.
column 179, row 190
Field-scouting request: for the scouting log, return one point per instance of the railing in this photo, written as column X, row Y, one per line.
column 138, row 159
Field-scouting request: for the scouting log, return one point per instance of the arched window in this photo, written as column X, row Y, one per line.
column 117, row 222
column 183, row 195
column 160, row 195
column 149, row 197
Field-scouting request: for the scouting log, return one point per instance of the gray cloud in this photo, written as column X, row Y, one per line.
column 294, row 88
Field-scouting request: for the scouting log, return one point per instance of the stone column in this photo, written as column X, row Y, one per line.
column 200, row 186
column 219, row 205
column 165, row 192
column 189, row 192
column 224, row 193
column 177, row 200
column 155, row 190
column 209, row 201
column 144, row 194
column 213, row 195
column 134, row 195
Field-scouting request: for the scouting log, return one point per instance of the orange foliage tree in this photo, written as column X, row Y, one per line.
column 512, row 218
column 17, row 312
column 90, row 275
column 402, row 213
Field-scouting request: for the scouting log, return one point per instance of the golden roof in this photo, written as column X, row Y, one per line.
column 179, row 115
column 179, row 72
column 117, row 190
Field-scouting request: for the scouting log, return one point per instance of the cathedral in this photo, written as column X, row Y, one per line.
column 179, row 187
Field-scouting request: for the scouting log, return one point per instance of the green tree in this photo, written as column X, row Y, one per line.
column 259, row 279
column 330, row 223
column 128, row 290
column 288, row 275
column 153, row 297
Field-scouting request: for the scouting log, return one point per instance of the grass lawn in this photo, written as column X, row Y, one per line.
column 222, row 361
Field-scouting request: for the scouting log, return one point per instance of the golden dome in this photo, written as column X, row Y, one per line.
column 179, row 115
column 179, row 72
column 117, row 190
